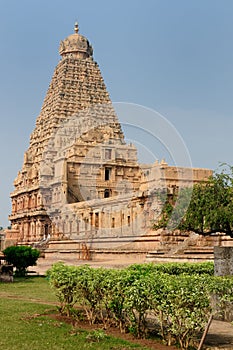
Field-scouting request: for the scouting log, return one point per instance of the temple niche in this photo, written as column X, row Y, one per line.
column 80, row 180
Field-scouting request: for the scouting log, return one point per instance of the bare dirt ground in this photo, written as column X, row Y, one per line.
column 220, row 334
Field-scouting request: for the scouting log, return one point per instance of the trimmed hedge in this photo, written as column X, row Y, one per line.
column 177, row 297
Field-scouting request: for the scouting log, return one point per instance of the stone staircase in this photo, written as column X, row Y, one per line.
column 186, row 250
column 188, row 255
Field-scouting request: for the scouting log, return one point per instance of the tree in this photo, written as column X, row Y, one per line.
column 210, row 209
column 21, row 257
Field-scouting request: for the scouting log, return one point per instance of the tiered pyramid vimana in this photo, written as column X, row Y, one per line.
column 80, row 182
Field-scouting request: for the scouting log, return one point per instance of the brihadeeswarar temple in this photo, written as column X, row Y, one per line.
column 81, row 187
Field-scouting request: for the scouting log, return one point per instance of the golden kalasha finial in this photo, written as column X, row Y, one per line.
column 76, row 27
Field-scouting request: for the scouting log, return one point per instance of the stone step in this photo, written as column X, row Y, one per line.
column 199, row 250
column 157, row 252
column 180, row 258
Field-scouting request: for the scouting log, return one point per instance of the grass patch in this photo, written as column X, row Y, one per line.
column 27, row 324
column 29, row 288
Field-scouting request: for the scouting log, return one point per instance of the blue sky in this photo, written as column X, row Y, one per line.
column 173, row 56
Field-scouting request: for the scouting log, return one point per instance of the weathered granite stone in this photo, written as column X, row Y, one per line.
column 6, row 273
column 223, row 261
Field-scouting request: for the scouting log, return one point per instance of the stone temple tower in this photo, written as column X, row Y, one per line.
column 80, row 183
column 76, row 117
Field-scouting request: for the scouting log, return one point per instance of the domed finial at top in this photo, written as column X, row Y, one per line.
column 76, row 27
column 75, row 45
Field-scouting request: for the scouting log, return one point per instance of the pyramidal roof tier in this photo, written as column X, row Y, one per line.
column 76, row 86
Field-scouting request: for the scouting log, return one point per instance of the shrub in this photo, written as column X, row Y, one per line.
column 93, row 289
column 21, row 257
column 138, row 304
column 175, row 269
column 176, row 296
column 221, row 289
column 190, row 307
column 64, row 280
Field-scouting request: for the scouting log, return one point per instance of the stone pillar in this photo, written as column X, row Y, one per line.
column 77, row 226
column 14, row 206
column 102, row 219
column 91, row 221
column 26, row 202
column 223, row 261
column 82, row 225
column 32, row 229
column 2, row 241
column 223, row 266
column 27, row 230
column 56, row 228
column 38, row 229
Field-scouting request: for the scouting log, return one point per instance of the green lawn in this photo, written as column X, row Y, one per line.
column 29, row 288
column 25, row 309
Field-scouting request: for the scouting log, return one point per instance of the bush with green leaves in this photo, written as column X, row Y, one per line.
column 121, row 279
column 91, row 286
column 64, row 280
column 175, row 298
column 21, row 257
column 221, row 288
column 138, row 305
column 184, row 307
column 203, row 268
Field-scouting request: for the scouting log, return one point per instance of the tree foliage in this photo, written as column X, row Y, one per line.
column 206, row 208
column 21, row 257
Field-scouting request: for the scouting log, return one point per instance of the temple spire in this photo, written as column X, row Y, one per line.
column 76, row 27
